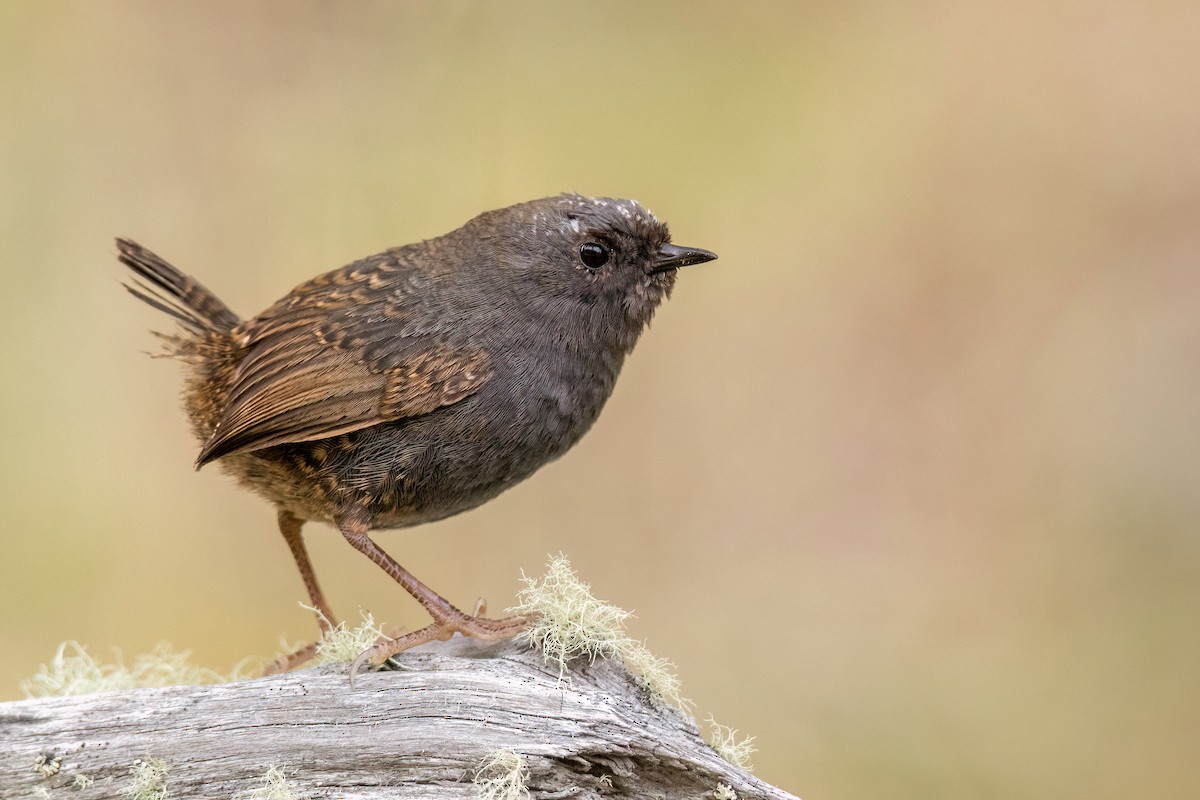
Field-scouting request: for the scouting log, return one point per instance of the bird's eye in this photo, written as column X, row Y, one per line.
column 593, row 255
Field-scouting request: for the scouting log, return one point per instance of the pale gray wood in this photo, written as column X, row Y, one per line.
column 418, row 732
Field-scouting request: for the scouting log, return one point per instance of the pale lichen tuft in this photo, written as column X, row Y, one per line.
column 47, row 765
column 274, row 784
column 148, row 780
column 342, row 644
column 73, row 671
column 724, row 792
column 731, row 747
column 570, row 622
column 502, row 776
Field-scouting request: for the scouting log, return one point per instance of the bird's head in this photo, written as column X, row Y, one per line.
column 595, row 262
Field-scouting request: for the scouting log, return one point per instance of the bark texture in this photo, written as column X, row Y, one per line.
column 421, row 731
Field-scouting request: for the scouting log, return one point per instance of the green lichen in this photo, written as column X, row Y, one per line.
column 73, row 671
column 274, row 784
column 502, row 776
column 731, row 747
column 570, row 622
column 342, row 644
column 148, row 780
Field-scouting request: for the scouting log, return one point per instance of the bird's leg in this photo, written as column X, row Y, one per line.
column 289, row 526
column 447, row 620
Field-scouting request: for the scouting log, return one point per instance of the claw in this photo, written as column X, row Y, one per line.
column 478, row 627
column 357, row 663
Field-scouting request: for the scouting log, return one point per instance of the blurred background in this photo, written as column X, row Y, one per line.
column 906, row 482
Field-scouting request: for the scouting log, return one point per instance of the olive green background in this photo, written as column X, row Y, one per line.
column 906, row 482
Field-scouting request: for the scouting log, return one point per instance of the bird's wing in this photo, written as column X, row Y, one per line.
column 340, row 353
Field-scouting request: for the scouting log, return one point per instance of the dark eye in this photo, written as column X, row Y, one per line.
column 593, row 255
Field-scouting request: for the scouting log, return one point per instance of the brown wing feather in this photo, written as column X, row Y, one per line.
column 330, row 360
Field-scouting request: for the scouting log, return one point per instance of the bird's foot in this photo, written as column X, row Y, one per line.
column 289, row 661
column 444, row 627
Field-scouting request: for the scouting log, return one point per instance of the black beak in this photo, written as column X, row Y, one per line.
column 671, row 256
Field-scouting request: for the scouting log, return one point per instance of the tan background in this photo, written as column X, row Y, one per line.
column 906, row 482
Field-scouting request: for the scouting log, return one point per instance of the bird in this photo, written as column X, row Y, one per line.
column 419, row 382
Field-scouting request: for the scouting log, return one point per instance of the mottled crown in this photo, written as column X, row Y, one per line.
column 579, row 213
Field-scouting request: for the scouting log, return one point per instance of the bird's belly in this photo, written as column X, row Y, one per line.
column 423, row 469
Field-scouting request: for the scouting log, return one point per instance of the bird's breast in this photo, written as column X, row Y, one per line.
column 415, row 470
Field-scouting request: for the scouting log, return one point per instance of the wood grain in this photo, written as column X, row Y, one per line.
column 421, row 731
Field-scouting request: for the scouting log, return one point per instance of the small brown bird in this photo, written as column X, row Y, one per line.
column 422, row 381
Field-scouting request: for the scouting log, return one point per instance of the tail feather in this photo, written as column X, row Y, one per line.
column 172, row 292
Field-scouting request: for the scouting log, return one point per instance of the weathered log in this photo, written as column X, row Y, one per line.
column 423, row 730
